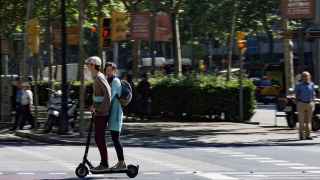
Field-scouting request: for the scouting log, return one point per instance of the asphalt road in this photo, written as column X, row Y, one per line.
column 206, row 151
column 24, row 159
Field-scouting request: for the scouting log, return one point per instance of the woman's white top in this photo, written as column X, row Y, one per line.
column 27, row 97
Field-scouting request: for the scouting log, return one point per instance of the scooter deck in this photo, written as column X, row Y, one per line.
column 110, row 171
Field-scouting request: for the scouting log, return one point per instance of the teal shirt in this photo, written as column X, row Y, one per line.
column 116, row 113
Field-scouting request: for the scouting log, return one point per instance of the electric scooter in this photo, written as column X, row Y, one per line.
column 82, row 170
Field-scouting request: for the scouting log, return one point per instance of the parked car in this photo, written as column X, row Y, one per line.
column 266, row 90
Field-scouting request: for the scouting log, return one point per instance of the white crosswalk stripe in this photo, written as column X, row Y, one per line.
column 244, row 155
column 25, row 173
column 305, row 167
column 273, row 161
column 57, row 173
column 290, row 164
column 215, row 176
column 257, row 158
column 315, row 172
column 151, row 173
column 181, row 173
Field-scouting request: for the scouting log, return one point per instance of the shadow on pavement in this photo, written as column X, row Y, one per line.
column 185, row 135
column 86, row 178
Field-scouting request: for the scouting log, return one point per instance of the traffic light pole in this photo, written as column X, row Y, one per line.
column 241, row 100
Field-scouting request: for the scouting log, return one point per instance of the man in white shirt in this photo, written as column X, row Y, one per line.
column 26, row 103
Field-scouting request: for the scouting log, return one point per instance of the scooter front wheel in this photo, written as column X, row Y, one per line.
column 132, row 171
column 82, row 171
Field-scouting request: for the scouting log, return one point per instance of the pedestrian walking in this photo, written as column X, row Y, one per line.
column 305, row 95
column 144, row 96
column 101, row 105
column 26, row 106
column 116, row 114
column 18, row 91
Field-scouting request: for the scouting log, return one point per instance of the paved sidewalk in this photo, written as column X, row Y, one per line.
column 177, row 134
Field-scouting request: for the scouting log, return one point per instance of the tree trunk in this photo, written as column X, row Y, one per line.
column 100, row 28
column 23, row 64
column 288, row 59
column 81, row 68
column 135, row 58
column 270, row 38
column 230, row 49
column 49, row 46
column 176, row 41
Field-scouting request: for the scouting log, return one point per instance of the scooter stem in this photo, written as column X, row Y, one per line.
column 88, row 138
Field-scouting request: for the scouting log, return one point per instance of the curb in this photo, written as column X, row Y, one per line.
column 46, row 138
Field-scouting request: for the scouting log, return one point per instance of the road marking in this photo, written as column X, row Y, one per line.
column 315, row 172
column 25, row 173
column 244, row 155
column 273, row 161
column 257, row 158
column 255, row 175
column 215, row 176
column 209, row 149
column 186, row 172
column 97, row 175
column 290, row 164
column 42, row 156
column 231, row 153
column 57, row 173
column 305, row 167
column 151, row 173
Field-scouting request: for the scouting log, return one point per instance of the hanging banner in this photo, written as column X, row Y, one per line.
column 119, row 26
column 140, row 26
column 163, row 27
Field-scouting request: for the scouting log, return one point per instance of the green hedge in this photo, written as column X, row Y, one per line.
column 192, row 95
column 202, row 95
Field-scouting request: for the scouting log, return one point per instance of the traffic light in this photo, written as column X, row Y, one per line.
column 241, row 41
column 106, row 32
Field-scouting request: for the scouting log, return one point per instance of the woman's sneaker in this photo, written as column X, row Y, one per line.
column 102, row 167
column 119, row 166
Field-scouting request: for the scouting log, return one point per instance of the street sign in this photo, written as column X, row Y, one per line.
column 33, row 35
column 140, row 26
column 120, row 26
column 298, row 9
column 73, row 35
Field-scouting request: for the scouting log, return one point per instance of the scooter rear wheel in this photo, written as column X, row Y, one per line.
column 82, row 171
column 132, row 171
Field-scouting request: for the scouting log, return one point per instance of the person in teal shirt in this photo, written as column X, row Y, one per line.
column 116, row 113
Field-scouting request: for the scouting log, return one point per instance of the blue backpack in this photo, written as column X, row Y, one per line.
column 126, row 93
